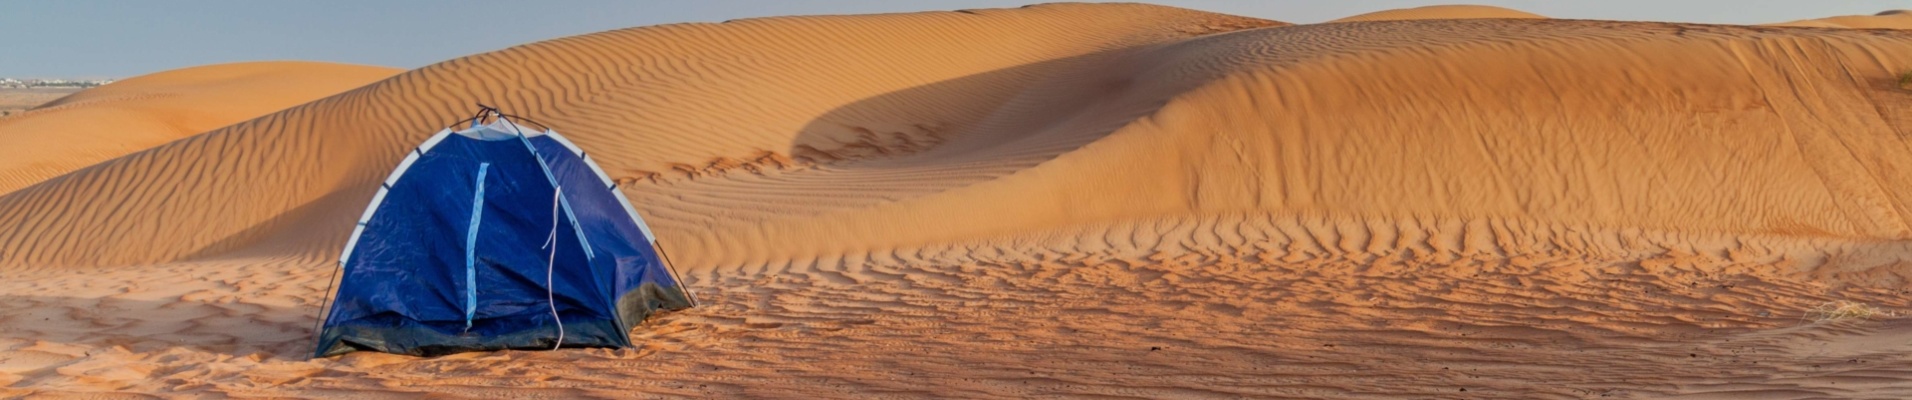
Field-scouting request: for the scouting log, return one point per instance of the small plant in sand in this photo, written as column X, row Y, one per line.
column 1842, row 310
column 1905, row 80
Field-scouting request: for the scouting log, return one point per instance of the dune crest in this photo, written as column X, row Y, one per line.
column 137, row 113
column 1456, row 11
column 1890, row 19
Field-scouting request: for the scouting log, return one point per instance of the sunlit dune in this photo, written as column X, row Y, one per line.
column 1893, row 19
column 1442, row 12
column 109, row 121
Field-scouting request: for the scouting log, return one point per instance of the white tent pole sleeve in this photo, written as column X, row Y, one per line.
column 471, row 246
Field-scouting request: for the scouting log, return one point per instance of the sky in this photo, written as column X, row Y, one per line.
column 123, row 38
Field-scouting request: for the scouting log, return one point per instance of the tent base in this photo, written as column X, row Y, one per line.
column 389, row 333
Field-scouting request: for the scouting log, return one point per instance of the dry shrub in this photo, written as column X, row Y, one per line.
column 1843, row 310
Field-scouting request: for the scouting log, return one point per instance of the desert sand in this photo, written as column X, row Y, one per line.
column 17, row 100
column 136, row 114
column 1123, row 201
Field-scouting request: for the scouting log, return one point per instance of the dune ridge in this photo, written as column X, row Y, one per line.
column 1453, row 11
column 1069, row 200
column 1891, row 19
column 137, row 113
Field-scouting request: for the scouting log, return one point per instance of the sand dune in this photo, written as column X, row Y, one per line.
column 1893, row 19
column 1070, row 199
column 135, row 114
column 786, row 155
column 14, row 101
column 1442, row 12
column 668, row 102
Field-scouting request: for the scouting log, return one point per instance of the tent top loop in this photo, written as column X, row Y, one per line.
column 490, row 113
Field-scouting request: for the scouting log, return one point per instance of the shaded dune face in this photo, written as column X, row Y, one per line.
column 1096, row 128
column 138, row 113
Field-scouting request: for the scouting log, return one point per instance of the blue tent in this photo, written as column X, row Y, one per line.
column 497, row 236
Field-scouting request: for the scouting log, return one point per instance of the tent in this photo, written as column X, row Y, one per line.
column 495, row 236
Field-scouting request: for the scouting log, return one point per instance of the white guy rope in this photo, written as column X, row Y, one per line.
column 551, row 260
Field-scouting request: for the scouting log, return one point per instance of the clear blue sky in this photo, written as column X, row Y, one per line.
column 91, row 38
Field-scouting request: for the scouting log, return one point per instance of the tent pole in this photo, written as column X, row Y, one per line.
column 323, row 306
column 670, row 266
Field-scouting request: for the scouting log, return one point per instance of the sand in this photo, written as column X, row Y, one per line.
column 18, row 100
column 1068, row 200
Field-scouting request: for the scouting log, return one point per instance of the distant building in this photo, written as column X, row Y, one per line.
column 15, row 83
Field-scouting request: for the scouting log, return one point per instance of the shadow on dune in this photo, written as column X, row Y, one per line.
column 977, row 118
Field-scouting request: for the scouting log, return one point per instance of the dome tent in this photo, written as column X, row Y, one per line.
column 495, row 236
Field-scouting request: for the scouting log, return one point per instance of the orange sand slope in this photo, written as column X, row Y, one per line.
column 792, row 138
column 141, row 112
column 1442, row 12
column 1069, row 200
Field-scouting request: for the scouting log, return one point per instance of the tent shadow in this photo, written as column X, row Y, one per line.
column 221, row 326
